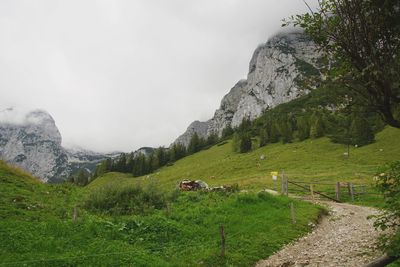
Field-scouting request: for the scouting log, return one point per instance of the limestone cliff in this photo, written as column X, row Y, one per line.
column 273, row 78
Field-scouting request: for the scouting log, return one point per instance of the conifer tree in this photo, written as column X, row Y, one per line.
column 227, row 132
column 264, row 138
column 236, row 142
column 303, row 128
column 317, row 126
column 273, row 132
column 361, row 132
column 194, row 144
column 245, row 143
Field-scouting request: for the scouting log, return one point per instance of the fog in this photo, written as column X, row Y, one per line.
column 119, row 75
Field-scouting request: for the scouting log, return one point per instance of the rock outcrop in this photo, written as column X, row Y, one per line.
column 275, row 72
column 33, row 143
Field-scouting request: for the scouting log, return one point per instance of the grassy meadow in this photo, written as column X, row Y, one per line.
column 126, row 221
column 37, row 229
column 312, row 160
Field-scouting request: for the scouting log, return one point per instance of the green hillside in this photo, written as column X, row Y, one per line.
column 317, row 160
column 37, row 229
column 142, row 221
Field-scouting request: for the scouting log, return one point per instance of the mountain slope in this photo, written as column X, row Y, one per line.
column 37, row 228
column 33, row 143
column 274, row 74
column 309, row 160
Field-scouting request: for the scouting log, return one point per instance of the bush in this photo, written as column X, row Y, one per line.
column 388, row 182
column 132, row 199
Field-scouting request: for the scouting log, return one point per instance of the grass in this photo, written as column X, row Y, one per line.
column 316, row 160
column 37, row 229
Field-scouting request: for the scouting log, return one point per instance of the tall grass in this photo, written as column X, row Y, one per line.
column 115, row 199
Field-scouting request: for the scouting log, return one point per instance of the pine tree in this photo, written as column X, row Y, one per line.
column 212, row 139
column 303, row 128
column 227, row 132
column 161, row 156
column 285, row 130
column 264, row 138
column 273, row 132
column 245, row 143
column 129, row 163
column 361, row 132
column 82, row 178
column 177, row 151
column 236, row 142
column 317, row 126
column 245, row 125
column 120, row 165
column 195, row 144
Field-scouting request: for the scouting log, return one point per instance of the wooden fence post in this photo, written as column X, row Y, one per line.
column 292, row 212
column 283, row 183
column 351, row 188
column 337, row 191
column 287, row 187
column 312, row 191
column 362, row 189
column 222, row 241
column 75, row 215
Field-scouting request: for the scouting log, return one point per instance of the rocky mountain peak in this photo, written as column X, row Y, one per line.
column 32, row 141
column 275, row 70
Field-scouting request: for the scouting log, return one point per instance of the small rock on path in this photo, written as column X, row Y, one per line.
column 344, row 238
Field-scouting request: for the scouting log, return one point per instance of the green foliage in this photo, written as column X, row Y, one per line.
column 285, row 130
column 212, row 139
column 388, row 182
column 317, row 126
column 245, row 143
column 360, row 132
column 303, row 128
column 236, row 142
column 177, row 151
column 245, row 126
column 264, row 137
column 362, row 52
column 241, row 142
column 227, row 132
column 82, row 178
column 124, row 200
column 196, row 144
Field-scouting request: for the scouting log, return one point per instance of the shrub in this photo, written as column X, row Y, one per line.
column 132, row 199
column 388, row 182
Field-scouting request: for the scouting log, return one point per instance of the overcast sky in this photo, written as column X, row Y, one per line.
column 118, row 75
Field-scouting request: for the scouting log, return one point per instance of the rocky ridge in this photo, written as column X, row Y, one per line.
column 32, row 141
column 34, row 144
column 274, row 76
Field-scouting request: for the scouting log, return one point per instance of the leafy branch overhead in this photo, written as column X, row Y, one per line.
column 361, row 41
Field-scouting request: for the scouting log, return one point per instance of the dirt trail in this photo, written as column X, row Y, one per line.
column 344, row 238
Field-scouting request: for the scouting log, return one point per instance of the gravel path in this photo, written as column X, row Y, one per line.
column 344, row 238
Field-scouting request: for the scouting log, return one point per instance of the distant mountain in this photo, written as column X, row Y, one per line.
column 275, row 71
column 33, row 142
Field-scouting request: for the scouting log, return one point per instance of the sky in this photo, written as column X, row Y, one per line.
column 117, row 75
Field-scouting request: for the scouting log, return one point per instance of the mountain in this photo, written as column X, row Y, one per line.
column 32, row 141
column 274, row 76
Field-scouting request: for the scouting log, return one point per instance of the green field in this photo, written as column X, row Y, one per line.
column 318, row 160
column 36, row 226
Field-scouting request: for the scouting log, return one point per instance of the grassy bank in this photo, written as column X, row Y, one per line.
column 317, row 160
column 36, row 227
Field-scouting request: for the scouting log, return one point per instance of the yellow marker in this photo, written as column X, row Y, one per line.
column 274, row 175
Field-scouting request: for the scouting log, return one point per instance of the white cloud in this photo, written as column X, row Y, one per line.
column 117, row 75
